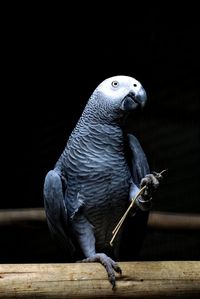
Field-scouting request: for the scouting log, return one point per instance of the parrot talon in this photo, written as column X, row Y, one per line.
column 151, row 181
column 108, row 263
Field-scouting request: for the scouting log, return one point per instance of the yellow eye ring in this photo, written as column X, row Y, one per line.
column 115, row 83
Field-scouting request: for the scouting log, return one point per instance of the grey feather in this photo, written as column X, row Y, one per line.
column 140, row 166
column 99, row 181
column 55, row 211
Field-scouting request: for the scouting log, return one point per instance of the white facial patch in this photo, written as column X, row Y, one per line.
column 118, row 87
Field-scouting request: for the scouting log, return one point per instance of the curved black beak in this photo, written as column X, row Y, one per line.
column 129, row 102
column 134, row 100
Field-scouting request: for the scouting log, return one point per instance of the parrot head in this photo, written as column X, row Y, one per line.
column 121, row 93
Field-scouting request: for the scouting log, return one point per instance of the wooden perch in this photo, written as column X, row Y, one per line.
column 8, row 217
column 157, row 220
column 163, row 220
column 82, row 280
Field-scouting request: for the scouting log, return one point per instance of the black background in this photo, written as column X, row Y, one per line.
column 52, row 66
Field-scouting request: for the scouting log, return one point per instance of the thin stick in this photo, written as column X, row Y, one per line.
column 125, row 214
column 118, row 226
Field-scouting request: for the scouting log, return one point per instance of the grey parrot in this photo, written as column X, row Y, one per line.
column 99, row 172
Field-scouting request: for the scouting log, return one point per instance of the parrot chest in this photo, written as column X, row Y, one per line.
column 105, row 208
column 104, row 197
column 98, row 181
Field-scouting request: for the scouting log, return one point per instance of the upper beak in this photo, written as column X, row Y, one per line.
column 133, row 100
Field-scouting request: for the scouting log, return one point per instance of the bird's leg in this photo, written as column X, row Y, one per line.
column 85, row 235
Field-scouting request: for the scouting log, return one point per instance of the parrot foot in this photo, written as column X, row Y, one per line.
column 108, row 263
column 151, row 181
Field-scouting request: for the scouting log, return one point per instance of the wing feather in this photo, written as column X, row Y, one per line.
column 56, row 212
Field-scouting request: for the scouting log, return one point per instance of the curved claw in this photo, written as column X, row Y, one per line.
column 151, row 182
column 108, row 263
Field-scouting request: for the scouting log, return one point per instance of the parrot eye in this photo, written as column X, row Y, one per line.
column 115, row 83
column 134, row 84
